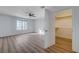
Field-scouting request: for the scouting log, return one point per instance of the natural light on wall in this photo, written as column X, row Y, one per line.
column 21, row 25
column 41, row 31
column 64, row 24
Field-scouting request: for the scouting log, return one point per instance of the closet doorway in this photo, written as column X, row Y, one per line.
column 63, row 29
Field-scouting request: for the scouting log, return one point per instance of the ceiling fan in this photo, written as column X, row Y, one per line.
column 42, row 7
column 30, row 14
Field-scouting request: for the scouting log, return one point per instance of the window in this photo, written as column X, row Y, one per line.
column 21, row 25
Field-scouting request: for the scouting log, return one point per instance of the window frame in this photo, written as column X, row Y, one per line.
column 21, row 25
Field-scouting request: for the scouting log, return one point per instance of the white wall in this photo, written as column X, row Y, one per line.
column 50, row 26
column 5, row 25
column 39, row 28
column 8, row 25
column 40, row 24
column 46, row 25
column 75, row 42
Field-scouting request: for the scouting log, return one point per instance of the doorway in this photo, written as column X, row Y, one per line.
column 63, row 29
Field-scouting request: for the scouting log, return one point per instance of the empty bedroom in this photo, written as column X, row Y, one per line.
column 39, row 29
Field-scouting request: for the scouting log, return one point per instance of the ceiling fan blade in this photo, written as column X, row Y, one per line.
column 32, row 15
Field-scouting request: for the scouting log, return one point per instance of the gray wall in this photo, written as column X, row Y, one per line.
column 40, row 25
column 46, row 24
column 75, row 40
column 8, row 25
column 50, row 27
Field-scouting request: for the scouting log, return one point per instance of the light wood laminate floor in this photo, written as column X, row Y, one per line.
column 62, row 45
column 26, row 44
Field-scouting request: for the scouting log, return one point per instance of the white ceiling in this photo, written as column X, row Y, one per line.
column 19, row 11
column 58, row 8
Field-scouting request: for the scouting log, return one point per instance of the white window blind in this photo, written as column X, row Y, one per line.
column 21, row 25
